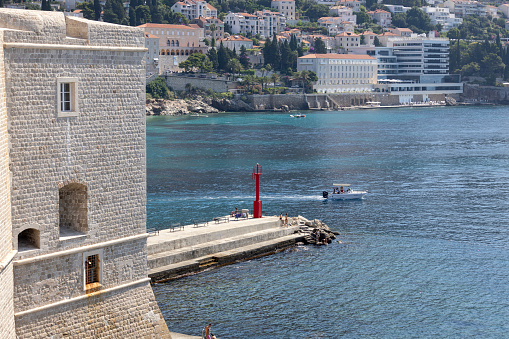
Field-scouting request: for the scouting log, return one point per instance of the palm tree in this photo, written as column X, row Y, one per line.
column 274, row 77
column 249, row 81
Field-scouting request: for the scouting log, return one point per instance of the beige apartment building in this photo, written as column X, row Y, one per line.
column 339, row 73
column 285, row 7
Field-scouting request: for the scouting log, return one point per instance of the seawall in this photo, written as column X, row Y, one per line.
column 188, row 249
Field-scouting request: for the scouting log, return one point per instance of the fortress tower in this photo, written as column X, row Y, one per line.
column 73, row 249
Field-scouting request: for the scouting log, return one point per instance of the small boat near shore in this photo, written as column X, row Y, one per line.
column 297, row 115
column 343, row 192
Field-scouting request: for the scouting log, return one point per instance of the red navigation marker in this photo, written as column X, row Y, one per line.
column 257, row 204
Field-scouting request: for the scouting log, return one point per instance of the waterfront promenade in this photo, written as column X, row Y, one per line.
column 179, row 251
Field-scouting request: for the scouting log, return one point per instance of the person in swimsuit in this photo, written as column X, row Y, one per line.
column 207, row 331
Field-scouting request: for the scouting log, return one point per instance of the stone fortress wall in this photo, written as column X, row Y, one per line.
column 78, row 179
column 6, row 251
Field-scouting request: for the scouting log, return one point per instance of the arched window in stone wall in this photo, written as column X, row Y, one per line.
column 178, row 52
column 29, row 239
column 182, row 52
column 168, row 43
column 177, row 43
column 172, row 52
column 73, row 212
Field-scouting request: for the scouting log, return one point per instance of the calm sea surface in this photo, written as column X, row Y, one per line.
column 425, row 255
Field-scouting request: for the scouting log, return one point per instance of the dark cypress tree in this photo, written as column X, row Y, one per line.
column 212, row 54
column 132, row 12
column 506, row 69
column 243, row 58
column 293, row 43
column 320, row 46
column 1, row 3
column 286, row 54
column 97, row 10
column 266, row 52
column 275, row 53
column 458, row 55
column 155, row 11
column 222, row 57
column 46, row 5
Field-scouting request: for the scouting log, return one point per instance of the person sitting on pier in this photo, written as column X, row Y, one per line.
column 234, row 213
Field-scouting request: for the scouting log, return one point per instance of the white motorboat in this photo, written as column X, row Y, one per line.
column 297, row 115
column 343, row 192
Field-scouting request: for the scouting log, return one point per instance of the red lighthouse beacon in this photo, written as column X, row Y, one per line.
column 257, row 204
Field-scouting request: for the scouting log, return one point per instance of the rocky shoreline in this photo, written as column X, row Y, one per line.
column 314, row 232
column 198, row 105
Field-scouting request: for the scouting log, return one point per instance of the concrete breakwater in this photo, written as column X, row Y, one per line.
column 184, row 250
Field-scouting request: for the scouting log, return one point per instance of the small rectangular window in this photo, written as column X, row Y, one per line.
column 92, row 269
column 67, row 97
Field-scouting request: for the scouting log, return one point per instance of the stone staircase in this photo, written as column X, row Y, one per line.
column 175, row 253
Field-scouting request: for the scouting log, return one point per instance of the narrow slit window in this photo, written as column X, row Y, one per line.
column 92, row 269
column 65, row 97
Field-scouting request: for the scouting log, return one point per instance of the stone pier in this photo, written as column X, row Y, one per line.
column 193, row 248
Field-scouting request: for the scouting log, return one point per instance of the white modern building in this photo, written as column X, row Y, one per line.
column 339, row 73
column 414, row 68
column 265, row 23
column 464, row 8
column 192, row 9
column 344, row 13
column 285, row 7
column 442, row 16
column 396, row 9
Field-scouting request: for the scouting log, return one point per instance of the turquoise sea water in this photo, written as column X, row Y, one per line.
column 425, row 255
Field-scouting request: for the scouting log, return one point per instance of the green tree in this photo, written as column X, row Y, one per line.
column 197, row 61
column 158, row 89
column 45, row 5
column 155, row 11
column 142, row 15
column 212, row 55
column 132, row 11
column 472, row 68
column 275, row 78
column 313, row 10
column 87, row 10
column 266, row 51
column 244, row 58
column 234, row 66
column 363, row 17
column 114, row 11
column 492, row 65
column 320, row 46
column 222, row 57
column 293, row 42
column 400, row 20
column 416, row 17
column 377, row 42
column 97, row 10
